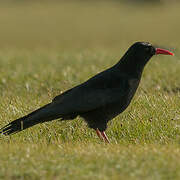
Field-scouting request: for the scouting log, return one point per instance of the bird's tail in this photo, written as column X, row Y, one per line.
column 43, row 114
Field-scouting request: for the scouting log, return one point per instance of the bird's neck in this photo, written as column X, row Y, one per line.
column 130, row 67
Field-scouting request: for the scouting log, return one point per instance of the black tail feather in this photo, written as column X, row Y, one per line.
column 41, row 115
column 17, row 126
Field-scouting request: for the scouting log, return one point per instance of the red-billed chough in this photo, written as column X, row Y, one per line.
column 97, row 100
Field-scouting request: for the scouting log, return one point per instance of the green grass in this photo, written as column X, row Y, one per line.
column 47, row 48
column 72, row 161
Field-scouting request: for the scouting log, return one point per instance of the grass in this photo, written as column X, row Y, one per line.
column 64, row 161
column 47, row 48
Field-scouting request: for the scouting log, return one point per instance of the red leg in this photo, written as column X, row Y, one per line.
column 102, row 135
column 99, row 133
column 105, row 137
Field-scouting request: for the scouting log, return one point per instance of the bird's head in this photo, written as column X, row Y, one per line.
column 141, row 52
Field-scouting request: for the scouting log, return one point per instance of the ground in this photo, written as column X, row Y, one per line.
column 47, row 48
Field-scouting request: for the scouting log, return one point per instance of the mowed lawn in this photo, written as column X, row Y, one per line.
column 47, row 48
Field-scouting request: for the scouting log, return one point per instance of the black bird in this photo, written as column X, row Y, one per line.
column 97, row 100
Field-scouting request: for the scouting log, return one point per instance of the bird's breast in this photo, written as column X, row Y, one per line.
column 133, row 85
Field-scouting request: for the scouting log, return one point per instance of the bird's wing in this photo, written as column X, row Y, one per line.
column 86, row 98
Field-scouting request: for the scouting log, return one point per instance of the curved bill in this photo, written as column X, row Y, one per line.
column 163, row 51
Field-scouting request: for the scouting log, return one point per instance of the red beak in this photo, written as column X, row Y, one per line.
column 163, row 51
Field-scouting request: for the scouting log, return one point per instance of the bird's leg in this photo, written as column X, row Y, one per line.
column 99, row 134
column 102, row 135
column 105, row 137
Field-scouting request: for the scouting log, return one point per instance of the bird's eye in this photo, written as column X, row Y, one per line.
column 147, row 49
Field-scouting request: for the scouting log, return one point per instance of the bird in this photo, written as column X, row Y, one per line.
column 97, row 100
